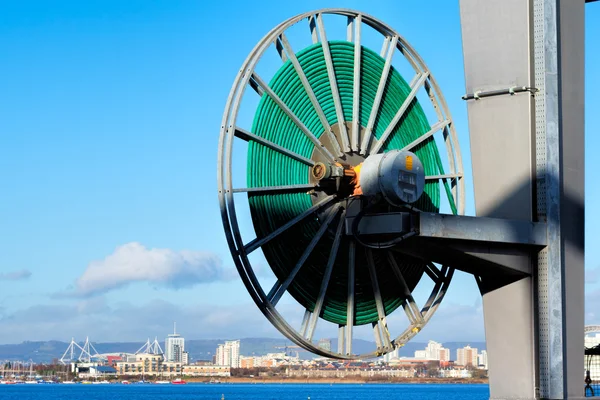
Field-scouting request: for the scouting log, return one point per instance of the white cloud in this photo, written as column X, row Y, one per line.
column 132, row 262
column 15, row 275
column 124, row 322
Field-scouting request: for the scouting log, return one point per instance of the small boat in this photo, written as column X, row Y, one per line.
column 126, row 383
column 68, row 382
column 178, row 381
column 162, row 382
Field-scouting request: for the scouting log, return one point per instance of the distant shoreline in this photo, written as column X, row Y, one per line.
column 280, row 380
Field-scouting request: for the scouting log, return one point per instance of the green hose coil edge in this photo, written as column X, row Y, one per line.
column 267, row 167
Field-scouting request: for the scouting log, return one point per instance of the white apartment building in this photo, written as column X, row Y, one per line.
column 421, row 354
column 483, row 359
column 174, row 347
column 433, row 351
column 228, row 354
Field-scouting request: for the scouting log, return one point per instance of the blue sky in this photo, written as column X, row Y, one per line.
column 109, row 122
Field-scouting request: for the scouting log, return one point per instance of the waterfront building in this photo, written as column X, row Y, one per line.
column 483, row 359
column 434, row 351
column 444, row 354
column 466, row 356
column 148, row 364
column 220, row 355
column 207, row 370
column 174, row 346
column 228, row 354
column 421, row 354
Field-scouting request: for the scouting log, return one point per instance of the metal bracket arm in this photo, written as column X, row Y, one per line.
column 482, row 229
column 452, row 227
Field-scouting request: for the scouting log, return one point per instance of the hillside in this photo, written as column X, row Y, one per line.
column 45, row 352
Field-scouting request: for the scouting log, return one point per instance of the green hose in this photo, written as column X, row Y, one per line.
column 267, row 167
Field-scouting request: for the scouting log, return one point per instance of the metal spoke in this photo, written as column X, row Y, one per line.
column 247, row 136
column 364, row 148
column 333, row 84
column 311, row 94
column 274, row 298
column 377, row 334
column 356, row 88
column 279, row 48
column 430, row 308
column 350, row 302
column 341, row 334
column 433, row 272
column 410, row 305
column 446, row 176
column 256, row 243
column 318, row 145
column 435, row 292
column 256, row 87
column 313, row 29
column 326, row 277
column 414, row 89
column 276, row 287
column 269, row 189
column 438, row 126
column 349, row 28
column 384, row 47
column 377, row 295
column 305, row 320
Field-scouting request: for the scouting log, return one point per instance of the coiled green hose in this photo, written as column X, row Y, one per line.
column 267, row 167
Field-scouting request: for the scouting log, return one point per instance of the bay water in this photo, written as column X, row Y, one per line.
column 248, row 392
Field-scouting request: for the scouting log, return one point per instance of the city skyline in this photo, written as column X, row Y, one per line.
column 109, row 217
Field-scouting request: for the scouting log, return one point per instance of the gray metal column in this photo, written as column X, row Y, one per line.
column 496, row 49
column 559, row 74
column 528, row 162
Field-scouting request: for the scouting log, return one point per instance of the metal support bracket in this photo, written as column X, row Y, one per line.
column 486, row 247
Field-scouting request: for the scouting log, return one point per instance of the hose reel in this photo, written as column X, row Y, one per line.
column 337, row 133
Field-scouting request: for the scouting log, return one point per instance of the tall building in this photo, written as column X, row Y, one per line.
column 325, row 344
column 433, row 351
column 220, row 355
column 483, row 359
column 466, row 356
column 444, row 354
column 234, row 353
column 228, row 354
column 174, row 346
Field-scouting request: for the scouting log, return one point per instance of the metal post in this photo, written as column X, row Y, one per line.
column 559, row 76
column 528, row 158
column 496, row 56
